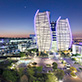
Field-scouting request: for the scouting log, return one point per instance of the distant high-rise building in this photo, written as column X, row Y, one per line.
column 43, row 31
column 32, row 35
column 54, row 42
column 63, row 33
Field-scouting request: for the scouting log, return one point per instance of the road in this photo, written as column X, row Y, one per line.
column 79, row 73
column 68, row 60
column 68, row 78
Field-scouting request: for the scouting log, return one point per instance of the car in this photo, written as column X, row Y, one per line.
column 67, row 64
column 61, row 58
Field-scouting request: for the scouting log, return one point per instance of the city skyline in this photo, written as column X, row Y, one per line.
column 16, row 17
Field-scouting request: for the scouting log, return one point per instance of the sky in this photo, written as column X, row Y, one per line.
column 17, row 16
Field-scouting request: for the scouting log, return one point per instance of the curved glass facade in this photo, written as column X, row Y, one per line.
column 63, row 32
column 43, row 30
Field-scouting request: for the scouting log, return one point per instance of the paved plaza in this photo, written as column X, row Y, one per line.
column 43, row 61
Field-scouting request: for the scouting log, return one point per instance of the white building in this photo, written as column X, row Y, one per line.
column 22, row 47
column 20, row 40
column 63, row 34
column 77, row 49
column 43, row 30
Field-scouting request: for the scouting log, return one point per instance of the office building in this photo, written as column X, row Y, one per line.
column 43, row 31
column 32, row 36
column 63, row 33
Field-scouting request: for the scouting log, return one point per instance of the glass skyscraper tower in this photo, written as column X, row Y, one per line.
column 43, row 31
column 63, row 34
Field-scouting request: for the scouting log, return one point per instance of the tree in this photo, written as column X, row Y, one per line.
column 43, row 54
column 68, row 54
column 73, row 74
column 29, row 66
column 73, row 59
column 22, row 54
column 62, row 54
column 34, row 50
column 30, row 71
column 59, row 74
column 20, row 71
column 48, row 65
column 54, row 65
column 30, row 74
column 76, row 54
column 34, row 63
column 1, row 71
column 24, row 79
column 73, row 69
column 10, row 75
column 39, row 69
column 40, row 77
column 51, row 78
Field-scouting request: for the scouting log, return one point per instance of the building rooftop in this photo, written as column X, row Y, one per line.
column 80, row 44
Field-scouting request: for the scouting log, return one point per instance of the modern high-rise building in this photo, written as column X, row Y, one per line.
column 43, row 31
column 54, row 42
column 63, row 33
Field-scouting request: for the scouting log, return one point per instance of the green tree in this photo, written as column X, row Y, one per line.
column 40, row 77
column 34, row 63
column 29, row 66
column 59, row 74
column 22, row 54
column 68, row 54
column 51, row 78
column 63, row 54
column 30, row 74
column 44, row 54
column 1, row 71
column 10, row 75
column 20, row 71
column 34, row 50
column 73, row 69
column 74, row 59
column 73, row 74
column 39, row 69
column 76, row 55
column 55, row 65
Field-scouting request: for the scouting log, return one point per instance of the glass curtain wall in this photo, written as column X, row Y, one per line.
column 64, row 37
column 43, row 30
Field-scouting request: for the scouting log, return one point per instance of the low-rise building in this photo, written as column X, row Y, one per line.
column 77, row 48
column 22, row 47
